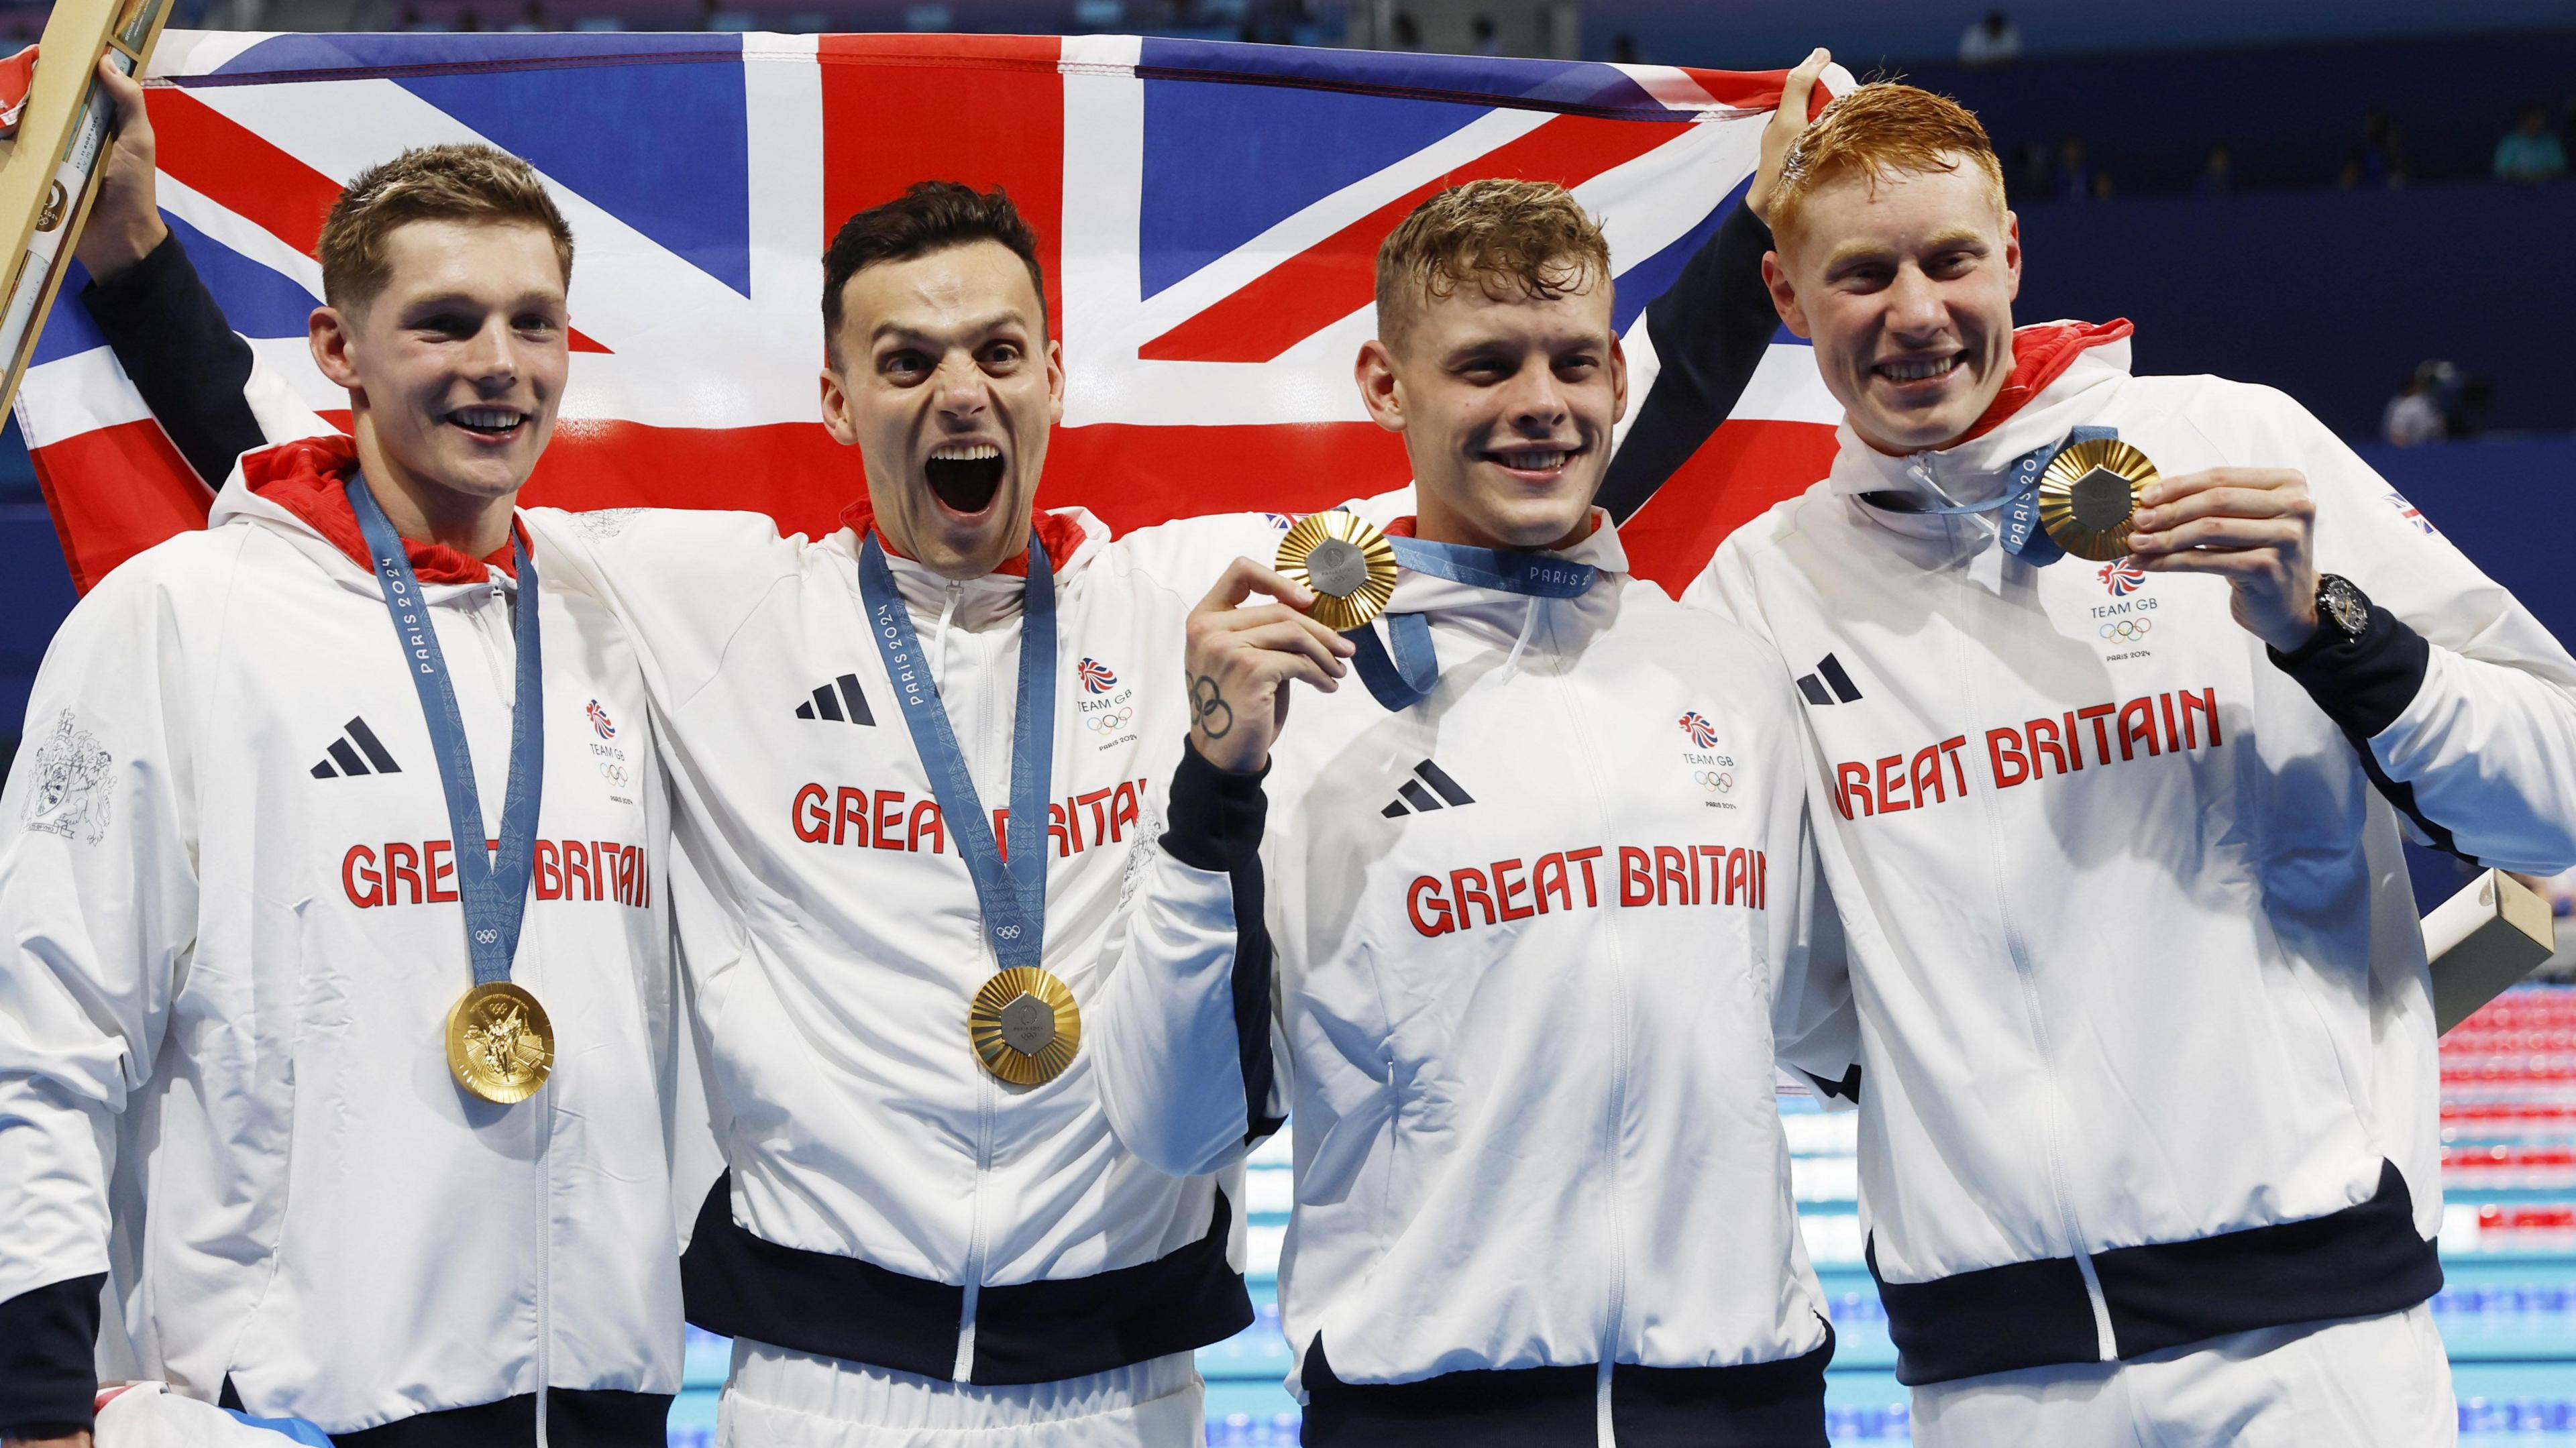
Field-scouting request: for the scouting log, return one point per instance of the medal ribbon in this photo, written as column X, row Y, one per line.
column 1402, row 670
column 1011, row 891
column 494, row 891
column 2019, row 527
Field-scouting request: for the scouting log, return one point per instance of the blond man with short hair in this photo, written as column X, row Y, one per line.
column 1533, row 897
column 335, row 998
column 2149, row 1145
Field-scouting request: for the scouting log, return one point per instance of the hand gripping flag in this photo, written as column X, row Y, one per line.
column 1209, row 216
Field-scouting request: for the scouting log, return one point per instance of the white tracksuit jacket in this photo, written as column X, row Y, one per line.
column 227, row 900
column 1536, row 939
column 888, row 1200
column 2145, row 1026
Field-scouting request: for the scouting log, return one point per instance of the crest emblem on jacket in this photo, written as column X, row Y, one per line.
column 69, row 789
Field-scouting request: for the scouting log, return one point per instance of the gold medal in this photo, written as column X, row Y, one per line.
column 499, row 1042
column 2088, row 494
column 1349, row 565
column 1025, row 1026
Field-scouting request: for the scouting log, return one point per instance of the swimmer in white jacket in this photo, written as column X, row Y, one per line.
column 2149, row 1137
column 1542, row 907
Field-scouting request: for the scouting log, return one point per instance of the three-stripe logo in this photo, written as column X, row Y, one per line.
column 1429, row 788
column 358, row 751
column 1829, row 674
column 839, row 701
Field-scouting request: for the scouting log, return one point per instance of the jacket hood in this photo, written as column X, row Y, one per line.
column 306, row 480
column 1071, row 536
column 2062, row 374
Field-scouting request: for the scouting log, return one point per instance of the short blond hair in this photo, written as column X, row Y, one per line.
column 1529, row 239
column 428, row 183
column 1879, row 132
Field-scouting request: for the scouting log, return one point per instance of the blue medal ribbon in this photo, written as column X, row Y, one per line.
column 494, row 891
column 1402, row 670
column 2019, row 527
column 1011, row 891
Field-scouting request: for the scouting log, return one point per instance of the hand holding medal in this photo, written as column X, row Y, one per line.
column 1240, row 660
column 2255, row 527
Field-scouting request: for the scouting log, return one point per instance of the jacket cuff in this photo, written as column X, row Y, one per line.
column 1216, row 814
column 49, row 1359
column 2362, row 684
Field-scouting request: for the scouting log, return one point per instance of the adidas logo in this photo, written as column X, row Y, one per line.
column 839, row 701
column 1430, row 788
column 1829, row 674
column 358, row 751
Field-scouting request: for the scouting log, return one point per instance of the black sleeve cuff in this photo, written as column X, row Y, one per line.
column 1216, row 814
column 2362, row 684
column 170, row 335
column 49, row 1359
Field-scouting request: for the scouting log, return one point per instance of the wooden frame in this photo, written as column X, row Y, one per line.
column 49, row 174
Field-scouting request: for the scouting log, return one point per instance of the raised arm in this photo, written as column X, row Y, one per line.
column 196, row 375
column 1712, row 327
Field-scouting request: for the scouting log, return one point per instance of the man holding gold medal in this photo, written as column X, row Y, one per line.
column 337, row 1007
column 2123, row 689
column 1542, row 907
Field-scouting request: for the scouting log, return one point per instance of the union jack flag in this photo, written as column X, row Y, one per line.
column 1701, row 732
column 1096, row 678
column 1208, row 213
column 600, row 722
column 2122, row 576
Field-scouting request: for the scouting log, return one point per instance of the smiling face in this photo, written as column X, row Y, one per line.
column 456, row 365
column 948, row 386
column 1905, row 284
column 1506, row 405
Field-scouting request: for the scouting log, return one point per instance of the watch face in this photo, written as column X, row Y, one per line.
column 2344, row 603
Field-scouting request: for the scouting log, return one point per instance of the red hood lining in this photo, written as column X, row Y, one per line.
column 2041, row 355
column 1061, row 533
column 309, row 477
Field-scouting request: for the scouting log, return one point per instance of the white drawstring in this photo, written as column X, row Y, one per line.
column 939, row 635
column 1529, row 625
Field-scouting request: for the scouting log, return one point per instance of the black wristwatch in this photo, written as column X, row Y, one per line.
column 2343, row 610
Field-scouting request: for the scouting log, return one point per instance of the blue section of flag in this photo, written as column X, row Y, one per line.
column 258, row 301
column 68, row 330
column 688, row 189
column 1573, row 85
column 1647, row 280
column 1224, row 163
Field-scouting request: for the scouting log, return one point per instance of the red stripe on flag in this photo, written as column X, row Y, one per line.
column 115, row 491
column 1739, row 473
column 1327, row 282
column 133, row 490
column 894, row 113
column 236, row 168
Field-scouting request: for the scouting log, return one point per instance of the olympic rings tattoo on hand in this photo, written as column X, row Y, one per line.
column 1215, row 716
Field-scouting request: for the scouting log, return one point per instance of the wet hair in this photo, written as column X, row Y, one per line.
column 429, row 183
column 931, row 216
column 1879, row 132
column 1529, row 239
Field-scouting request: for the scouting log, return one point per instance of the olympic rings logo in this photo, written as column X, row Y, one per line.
column 613, row 773
column 1715, row 781
column 2126, row 629
column 1109, row 722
